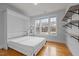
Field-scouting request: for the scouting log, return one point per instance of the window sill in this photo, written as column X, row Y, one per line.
column 43, row 34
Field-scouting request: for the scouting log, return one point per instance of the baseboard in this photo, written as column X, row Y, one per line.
column 56, row 41
column 1, row 47
column 69, row 50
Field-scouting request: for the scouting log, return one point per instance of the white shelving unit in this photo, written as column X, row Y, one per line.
column 71, row 22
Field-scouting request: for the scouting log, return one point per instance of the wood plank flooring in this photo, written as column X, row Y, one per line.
column 50, row 49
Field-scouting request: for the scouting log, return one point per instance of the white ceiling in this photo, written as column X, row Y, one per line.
column 33, row 10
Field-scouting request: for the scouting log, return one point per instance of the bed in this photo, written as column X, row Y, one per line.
column 28, row 45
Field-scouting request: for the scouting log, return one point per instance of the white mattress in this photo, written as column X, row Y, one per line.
column 27, row 45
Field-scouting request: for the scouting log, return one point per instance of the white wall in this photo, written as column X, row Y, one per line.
column 3, row 27
column 16, row 24
column 60, row 29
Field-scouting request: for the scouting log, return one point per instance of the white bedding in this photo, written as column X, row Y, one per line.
column 28, row 45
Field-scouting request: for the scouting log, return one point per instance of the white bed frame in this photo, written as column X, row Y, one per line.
column 24, row 51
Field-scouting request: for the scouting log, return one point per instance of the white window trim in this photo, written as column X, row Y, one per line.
column 48, row 27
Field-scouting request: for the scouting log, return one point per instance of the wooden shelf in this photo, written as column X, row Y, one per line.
column 75, row 23
column 75, row 36
column 68, row 16
column 72, row 10
column 66, row 25
column 72, row 22
column 68, row 22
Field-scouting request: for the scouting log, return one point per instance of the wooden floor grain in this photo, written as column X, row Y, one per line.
column 50, row 49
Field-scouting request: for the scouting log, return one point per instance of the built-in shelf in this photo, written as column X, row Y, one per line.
column 69, row 22
column 72, row 10
column 72, row 22
column 74, row 35
column 66, row 25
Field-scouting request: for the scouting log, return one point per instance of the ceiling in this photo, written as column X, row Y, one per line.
column 41, row 8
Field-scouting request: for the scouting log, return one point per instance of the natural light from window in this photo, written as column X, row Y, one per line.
column 46, row 26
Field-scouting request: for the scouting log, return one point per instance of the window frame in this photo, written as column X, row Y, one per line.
column 48, row 25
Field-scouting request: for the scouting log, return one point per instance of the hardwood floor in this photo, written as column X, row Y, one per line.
column 54, row 49
column 50, row 49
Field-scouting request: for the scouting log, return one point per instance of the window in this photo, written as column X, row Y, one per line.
column 37, row 26
column 53, row 26
column 46, row 26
